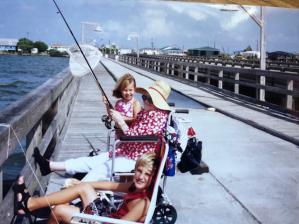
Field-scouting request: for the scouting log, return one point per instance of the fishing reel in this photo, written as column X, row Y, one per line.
column 107, row 120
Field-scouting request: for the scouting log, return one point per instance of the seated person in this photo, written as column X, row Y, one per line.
column 151, row 120
column 136, row 201
column 126, row 104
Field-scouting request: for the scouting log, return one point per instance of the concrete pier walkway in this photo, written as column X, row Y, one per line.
column 254, row 175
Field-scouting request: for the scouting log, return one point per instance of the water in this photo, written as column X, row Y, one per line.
column 21, row 74
column 18, row 76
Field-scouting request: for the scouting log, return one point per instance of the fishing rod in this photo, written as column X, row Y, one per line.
column 95, row 77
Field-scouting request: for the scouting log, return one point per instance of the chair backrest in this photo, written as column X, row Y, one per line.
column 163, row 156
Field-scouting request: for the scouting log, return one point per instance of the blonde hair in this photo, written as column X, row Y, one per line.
column 122, row 83
column 148, row 160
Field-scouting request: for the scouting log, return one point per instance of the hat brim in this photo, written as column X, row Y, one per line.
column 157, row 99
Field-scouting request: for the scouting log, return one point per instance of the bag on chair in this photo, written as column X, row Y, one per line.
column 191, row 156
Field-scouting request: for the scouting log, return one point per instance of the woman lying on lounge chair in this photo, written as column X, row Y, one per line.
column 136, row 200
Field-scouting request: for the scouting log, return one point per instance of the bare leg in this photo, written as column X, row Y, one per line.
column 62, row 213
column 83, row 191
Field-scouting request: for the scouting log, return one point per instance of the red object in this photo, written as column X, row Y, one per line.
column 191, row 132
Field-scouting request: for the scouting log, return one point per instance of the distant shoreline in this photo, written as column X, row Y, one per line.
column 29, row 54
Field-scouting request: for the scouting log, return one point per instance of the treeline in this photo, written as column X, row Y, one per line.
column 26, row 45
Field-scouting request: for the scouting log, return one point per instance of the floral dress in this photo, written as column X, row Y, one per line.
column 125, row 108
column 147, row 123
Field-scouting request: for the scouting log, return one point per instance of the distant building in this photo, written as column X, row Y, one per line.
column 149, row 51
column 250, row 54
column 8, row 44
column 34, row 50
column 280, row 55
column 204, row 51
column 125, row 51
column 169, row 50
column 59, row 47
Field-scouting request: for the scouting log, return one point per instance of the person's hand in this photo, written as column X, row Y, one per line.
column 105, row 101
column 116, row 116
column 118, row 119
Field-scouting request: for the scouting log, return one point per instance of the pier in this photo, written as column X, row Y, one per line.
column 252, row 152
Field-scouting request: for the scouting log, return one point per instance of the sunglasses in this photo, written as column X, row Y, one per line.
column 148, row 98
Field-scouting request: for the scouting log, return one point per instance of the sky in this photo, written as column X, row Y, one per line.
column 157, row 23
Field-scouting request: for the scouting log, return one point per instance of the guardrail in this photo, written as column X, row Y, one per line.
column 39, row 119
column 279, row 90
column 291, row 65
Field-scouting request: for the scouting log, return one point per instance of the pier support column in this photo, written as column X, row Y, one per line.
column 290, row 87
column 220, row 82
column 196, row 74
column 172, row 71
column 167, row 68
column 159, row 64
column 187, row 73
column 236, row 86
column 262, row 91
column 208, row 78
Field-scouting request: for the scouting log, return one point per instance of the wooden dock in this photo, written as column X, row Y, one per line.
column 85, row 123
column 254, row 171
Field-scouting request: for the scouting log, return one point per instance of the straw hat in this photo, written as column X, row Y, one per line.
column 159, row 93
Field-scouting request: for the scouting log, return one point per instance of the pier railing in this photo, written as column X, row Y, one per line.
column 38, row 120
column 279, row 90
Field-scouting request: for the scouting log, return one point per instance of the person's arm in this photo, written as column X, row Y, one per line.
column 111, row 186
column 138, row 211
column 136, row 108
column 119, row 120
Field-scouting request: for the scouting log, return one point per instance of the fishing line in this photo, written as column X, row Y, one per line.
column 96, row 79
column 30, row 167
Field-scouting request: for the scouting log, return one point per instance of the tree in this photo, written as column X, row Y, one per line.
column 41, row 46
column 248, row 48
column 25, row 45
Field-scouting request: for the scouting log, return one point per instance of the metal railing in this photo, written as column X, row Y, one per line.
column 279, row 90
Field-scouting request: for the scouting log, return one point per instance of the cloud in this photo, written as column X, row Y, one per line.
column 158, row 25
column 194, row 11
column 237, row 18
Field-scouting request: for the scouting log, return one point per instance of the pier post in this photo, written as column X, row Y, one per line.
column 208, row 78
column 262, row 91
column 167, row 68
column 196, row 74
column 236, row 86
column 159, row 64
column 290, row 87
column 220, row 82
column 187, row 72
column 172, row 71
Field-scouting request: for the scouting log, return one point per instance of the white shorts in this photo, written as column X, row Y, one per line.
column 98, row 167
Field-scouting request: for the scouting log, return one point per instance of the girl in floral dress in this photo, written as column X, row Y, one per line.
column 127, row 105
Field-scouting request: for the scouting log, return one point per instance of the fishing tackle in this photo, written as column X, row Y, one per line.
column 96, row 79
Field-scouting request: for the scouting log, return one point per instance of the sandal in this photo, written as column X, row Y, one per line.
column 21, row 197
column 21, row 203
